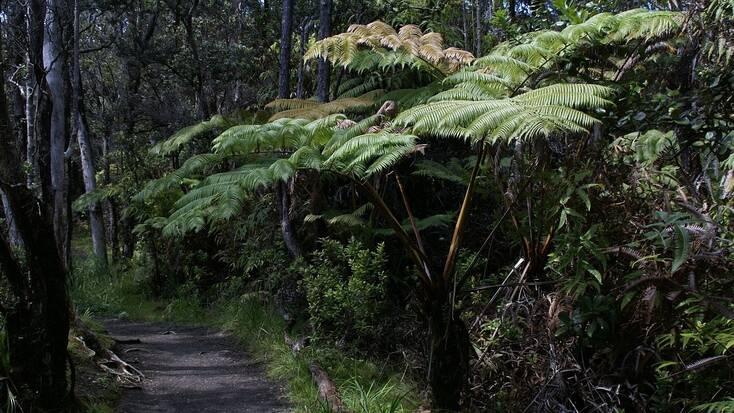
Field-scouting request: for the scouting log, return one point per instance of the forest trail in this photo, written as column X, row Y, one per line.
column 192, row 369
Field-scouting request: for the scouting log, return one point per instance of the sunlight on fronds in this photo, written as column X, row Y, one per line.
column 310, row 109
column 411, row 46
column 512, row 64
column 185, row 135
column 541, row 112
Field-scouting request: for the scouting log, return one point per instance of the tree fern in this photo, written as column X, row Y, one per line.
column 185, row 135
column 310, row 109
column 724, row 406
column 364, row 47
column 553, row 109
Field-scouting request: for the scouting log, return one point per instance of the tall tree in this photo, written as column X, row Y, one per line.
column 284, row 75
column 14, row 237
column 96, row 219
column 184, row 13
column 478, row 28
column 37, row 320
column 324, row 71
column 301, row 74
column 54, row 64
column 284, row 190
column 35, row 105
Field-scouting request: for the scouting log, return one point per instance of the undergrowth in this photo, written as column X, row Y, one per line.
column 366, row 386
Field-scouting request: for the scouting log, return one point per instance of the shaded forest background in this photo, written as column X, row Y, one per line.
column 521, row 206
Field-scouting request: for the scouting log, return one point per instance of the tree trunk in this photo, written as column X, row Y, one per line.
column 478, row 28
column 37, row 321
column 157, row 281
column 465, row 25
column 128, row 237
column 34, row 105
column 305, row 28
column 96, row 220
column 284, row 76
column 17, row 38
column 283, row 198
column 200, row 72
column 450, row 350
column 54, row 59
column 111, row 207
column 14, row 237
column 324, row 71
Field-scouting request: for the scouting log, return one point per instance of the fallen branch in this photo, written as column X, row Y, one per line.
column 327, row 389
column 105, row 359
column 126, row 375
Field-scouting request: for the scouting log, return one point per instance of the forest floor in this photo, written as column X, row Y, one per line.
column 192, row 369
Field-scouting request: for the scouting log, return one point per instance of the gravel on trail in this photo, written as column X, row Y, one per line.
column 192, row 370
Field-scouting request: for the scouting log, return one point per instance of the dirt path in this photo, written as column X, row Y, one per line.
column 192, row 369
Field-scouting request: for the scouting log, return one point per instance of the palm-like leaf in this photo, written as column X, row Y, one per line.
column 541, row 112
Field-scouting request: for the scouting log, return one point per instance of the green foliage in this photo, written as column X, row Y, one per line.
column 724, row 406
column 185, row 135
column 580, row 258
column 582, row 145
column 593, row 320
column 378, row 46
column 551, row 110
column 366, row 387
column 345, row 288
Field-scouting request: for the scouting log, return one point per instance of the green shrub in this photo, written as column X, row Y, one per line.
column 345, row 289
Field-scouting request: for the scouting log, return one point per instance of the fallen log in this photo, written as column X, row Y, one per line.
column 328, row 392
column 327, row 389
column 106, row 359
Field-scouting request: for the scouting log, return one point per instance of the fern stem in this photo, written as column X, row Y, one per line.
column 415, row 254
column 463, row 213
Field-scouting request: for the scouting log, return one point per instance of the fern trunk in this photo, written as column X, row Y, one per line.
column 450, row 351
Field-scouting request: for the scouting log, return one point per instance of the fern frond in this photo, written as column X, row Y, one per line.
column 187, row 134
column 724, row 406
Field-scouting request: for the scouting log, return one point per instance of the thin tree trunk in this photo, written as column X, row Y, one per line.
column 324, row 71
column 284, row 75
column 96, row 220
column 16, row 38
column 111, row 207
column 14, row 237
column 305, row 28
column 284, row 200
column 36, row 15
column 465, row 25
column 200, row 72
column 478, row 28
column 283, row 195
column 54, row 60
